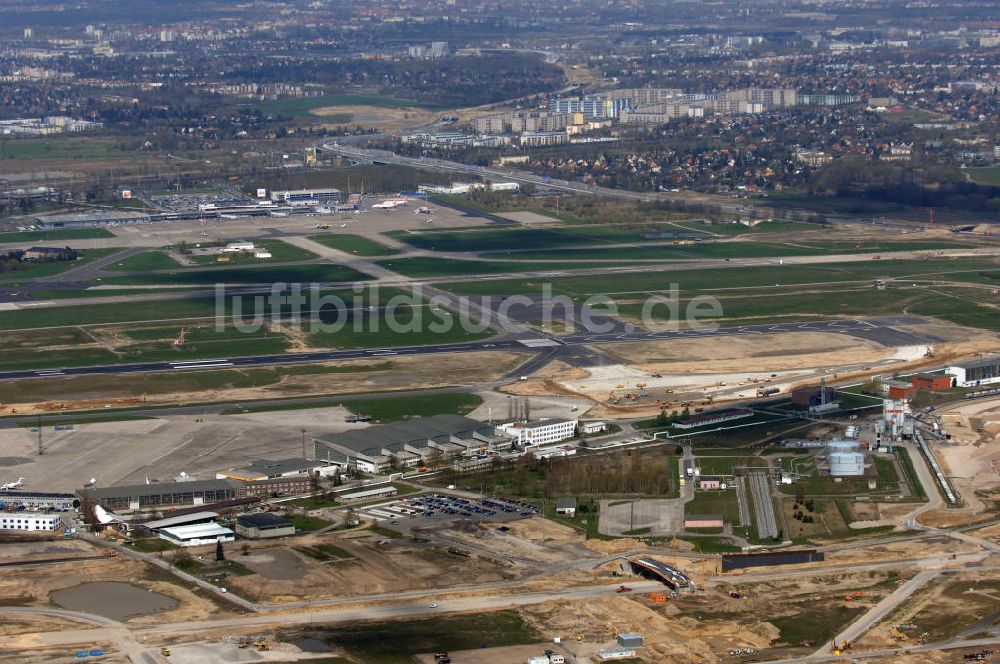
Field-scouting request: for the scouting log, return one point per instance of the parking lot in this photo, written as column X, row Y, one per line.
column 433, row 507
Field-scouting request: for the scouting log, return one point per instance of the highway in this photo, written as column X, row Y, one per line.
column 534, row 344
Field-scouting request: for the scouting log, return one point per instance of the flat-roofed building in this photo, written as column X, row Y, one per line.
column 263, row 526
column 198, row 534
column 93, row 219
column 386, row 491
column 984, row 371
column 410, row 443
column 541, row 431
column 168, row 494
column 30, row 522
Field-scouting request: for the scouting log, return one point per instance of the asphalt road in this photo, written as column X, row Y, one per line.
column 867, row 327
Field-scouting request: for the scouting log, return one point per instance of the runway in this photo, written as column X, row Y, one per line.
column 548, row 348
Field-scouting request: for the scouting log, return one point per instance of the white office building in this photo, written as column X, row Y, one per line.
column 29, row 522
column 540, row 432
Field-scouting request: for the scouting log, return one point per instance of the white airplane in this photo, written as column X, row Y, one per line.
column 391, row 203
column 10, row 486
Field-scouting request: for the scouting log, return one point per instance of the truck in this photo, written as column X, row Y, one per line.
column 767, row 391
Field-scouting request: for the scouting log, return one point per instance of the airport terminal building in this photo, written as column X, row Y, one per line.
column 408, row 444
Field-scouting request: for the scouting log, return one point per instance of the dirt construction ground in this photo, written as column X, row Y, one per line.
column 363, row 564
column 971, row 458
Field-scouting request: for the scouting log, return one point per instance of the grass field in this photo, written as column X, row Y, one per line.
column 55, row 235
column 146, row 262
column 731, row 250
column 515, row 239
column 281, row 252
column 815, row 623
column 48, row 269
column 394, row 409
column 398, row 642
column 724, row 503
column 420, row 267
column 988, row 175
column 354, row 244
column 303, row 274
column 730, row 278
column 58, row 148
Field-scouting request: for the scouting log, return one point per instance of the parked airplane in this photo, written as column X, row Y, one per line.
column 10, row 486
column 391, row 203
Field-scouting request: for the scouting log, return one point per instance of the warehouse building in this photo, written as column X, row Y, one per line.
column 566, row 507
column 269, row 470
column 13, row 501
column 263, row 526
column 91, row 219
column 714, row 418
column 932, row 382
column 386, row 491
column 407, row 444
column 30, row 522
column 198, row 534
column 169, row 494
column 984, row 371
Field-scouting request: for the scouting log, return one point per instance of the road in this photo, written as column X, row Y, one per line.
column 860, row 326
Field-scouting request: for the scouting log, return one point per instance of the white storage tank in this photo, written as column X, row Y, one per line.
column 847, row 464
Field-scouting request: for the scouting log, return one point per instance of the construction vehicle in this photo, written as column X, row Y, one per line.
column 165, row 651
column 978, row 656
column 181, row 338
column 442, row 657
column 261, row 646
column 623, row 589
column 857, row 594
column 657, row 598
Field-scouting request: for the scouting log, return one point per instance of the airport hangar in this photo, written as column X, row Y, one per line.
column 410, row 443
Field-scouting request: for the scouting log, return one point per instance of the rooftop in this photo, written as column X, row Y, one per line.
column 263, row 520
column 156, row 489
column 197, row 531
column 180, row 520
column 98, row 215
column 416, row 431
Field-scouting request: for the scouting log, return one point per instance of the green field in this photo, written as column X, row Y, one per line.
column 732, row 278
column 398, row 642
column 421, row 267
column 729, row 250
column 281, row 252
column 58, row 148
column 354, row 244
column 516, row 239
column 55, row 235
column 394, row 409
column 989, row 175
column 706, row 503
column 303, row 274
column 147, row 261
column 145, row 330
column 48, row 269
